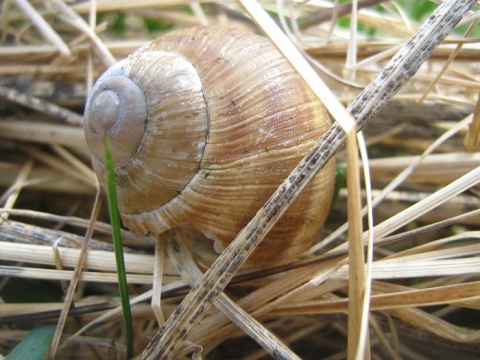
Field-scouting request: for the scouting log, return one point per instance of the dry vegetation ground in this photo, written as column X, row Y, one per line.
column 425, row 288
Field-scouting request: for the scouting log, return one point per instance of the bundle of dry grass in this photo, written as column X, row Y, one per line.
column 417, row 295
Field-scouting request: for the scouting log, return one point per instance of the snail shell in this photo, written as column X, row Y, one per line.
column 205, row 124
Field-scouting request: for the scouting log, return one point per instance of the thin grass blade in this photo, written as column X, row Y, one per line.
column 118, row 248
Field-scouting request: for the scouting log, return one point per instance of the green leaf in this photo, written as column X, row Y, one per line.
column 119, row 25
column 35, row 345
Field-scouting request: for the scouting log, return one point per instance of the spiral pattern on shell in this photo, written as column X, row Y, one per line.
column 205, row 124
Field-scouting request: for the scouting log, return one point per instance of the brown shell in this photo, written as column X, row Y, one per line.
column 218, row 141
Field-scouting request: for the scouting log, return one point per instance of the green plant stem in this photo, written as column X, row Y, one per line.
column 118, row 247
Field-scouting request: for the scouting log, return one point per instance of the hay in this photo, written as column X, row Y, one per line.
column 423, row 160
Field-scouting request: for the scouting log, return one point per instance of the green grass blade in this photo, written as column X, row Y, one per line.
column 118, row 247
column 35, row 345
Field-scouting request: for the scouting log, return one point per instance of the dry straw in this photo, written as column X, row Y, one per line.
column 420, row 280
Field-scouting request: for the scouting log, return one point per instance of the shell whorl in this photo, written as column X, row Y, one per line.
column 228, row 120
column 160, row 97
